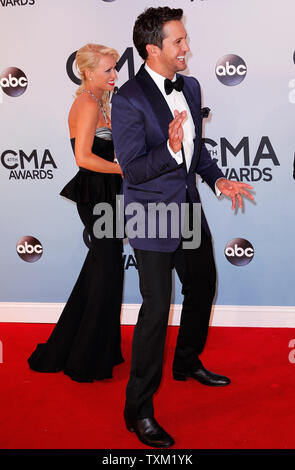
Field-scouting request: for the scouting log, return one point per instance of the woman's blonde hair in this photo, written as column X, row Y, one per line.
column 87, row 58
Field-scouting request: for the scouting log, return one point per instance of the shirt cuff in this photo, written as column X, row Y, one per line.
column 217, row 192
column 177, row 156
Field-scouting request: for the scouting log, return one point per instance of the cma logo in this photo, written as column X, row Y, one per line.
column 250, row 171
column 239, row 252
column 23, row 166
column 127, row 56
column 14, row 3
column 231, row 70
column 29, row 249
column 13, row 82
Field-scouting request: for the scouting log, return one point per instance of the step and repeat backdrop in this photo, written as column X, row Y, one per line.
column 243, row 56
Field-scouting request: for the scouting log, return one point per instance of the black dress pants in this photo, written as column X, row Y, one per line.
column 196, row 270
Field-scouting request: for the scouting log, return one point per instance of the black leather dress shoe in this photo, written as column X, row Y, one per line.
column 203, row 376
column 149, row 432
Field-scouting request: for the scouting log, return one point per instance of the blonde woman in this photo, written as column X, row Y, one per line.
column 86, row 341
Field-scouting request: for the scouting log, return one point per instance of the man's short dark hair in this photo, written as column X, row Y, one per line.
column 148, row 28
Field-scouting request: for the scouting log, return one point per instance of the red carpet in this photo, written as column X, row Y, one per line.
column 49, row 411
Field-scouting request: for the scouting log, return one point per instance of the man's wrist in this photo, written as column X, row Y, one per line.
column 217, row 190
column 176, row 155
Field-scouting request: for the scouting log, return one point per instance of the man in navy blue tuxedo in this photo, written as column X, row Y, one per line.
column 157, row 131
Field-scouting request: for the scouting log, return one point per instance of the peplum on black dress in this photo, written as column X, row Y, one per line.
column 86, row 341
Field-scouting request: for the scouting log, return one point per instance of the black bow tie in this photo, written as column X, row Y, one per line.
column 170, row 86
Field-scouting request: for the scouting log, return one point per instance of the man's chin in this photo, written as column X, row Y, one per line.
column 181, row 65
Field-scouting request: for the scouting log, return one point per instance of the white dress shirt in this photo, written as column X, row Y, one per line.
column 176, row 100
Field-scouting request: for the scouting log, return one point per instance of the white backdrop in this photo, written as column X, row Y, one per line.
column 249, row 131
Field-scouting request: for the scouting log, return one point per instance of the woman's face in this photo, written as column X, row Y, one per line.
column 104, row 76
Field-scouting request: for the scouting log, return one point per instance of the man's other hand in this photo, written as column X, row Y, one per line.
column 235, row 190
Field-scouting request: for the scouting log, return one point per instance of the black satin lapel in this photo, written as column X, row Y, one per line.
column 156, row 100
column 193, row 106
column 195, row 112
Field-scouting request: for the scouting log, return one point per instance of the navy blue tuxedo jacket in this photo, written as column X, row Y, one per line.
column 140, row 122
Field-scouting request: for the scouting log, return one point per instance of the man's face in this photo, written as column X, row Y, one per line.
column 171, row 57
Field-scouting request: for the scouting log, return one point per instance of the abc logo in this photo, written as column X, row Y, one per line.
column 239, row 252
column 29, row 249
column 230, row 70
column 13, row 81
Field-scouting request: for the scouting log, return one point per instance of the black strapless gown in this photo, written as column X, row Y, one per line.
column 86, row 341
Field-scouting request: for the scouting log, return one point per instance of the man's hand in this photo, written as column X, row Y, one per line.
column 176, row 131
column 235, row 190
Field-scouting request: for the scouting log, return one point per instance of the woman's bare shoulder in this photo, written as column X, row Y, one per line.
column 84, row 103
column 83, row 107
